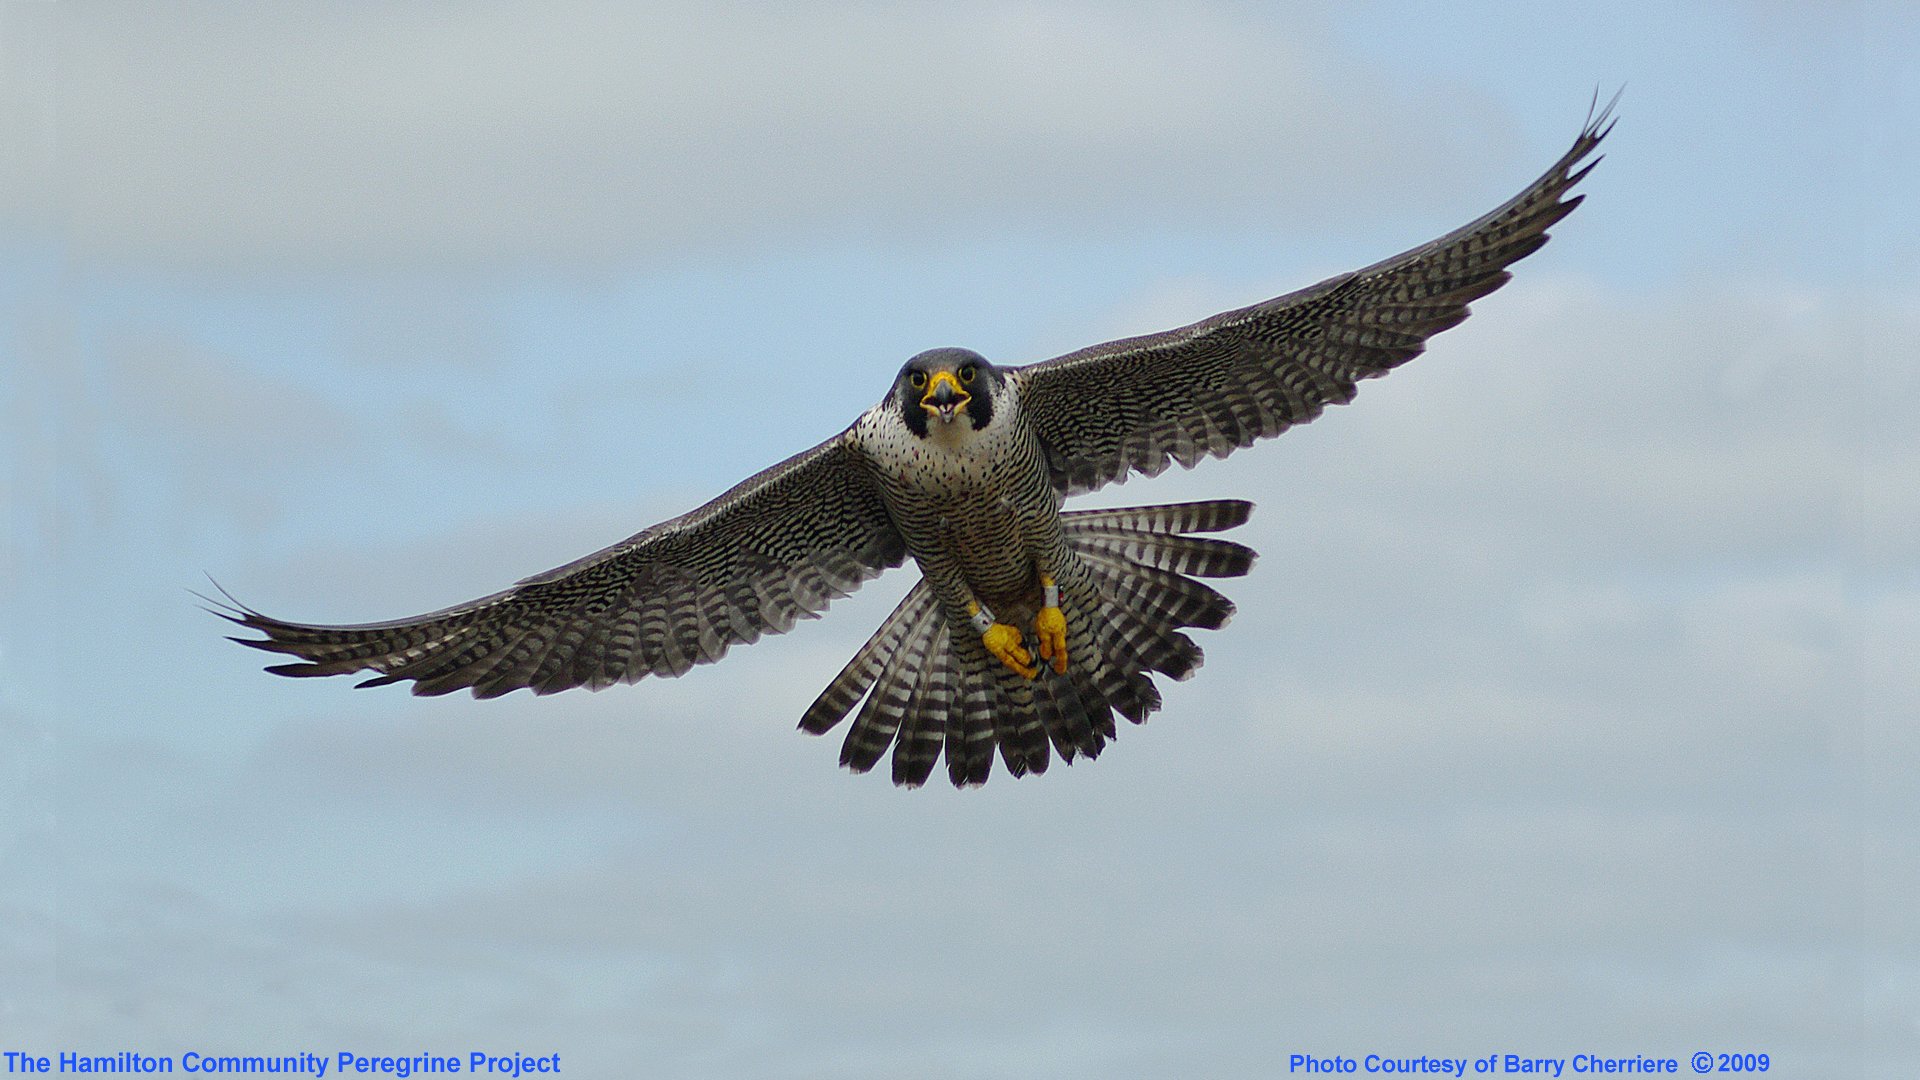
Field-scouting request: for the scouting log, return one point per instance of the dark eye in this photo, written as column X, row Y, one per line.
column 917, row 379
column 967, row 373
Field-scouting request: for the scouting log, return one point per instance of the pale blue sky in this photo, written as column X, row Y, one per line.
column 1569, row 707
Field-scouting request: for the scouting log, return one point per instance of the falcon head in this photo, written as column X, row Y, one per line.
column 943, row 387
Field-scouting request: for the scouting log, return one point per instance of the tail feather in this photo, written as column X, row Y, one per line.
column 891, row 697
column 1152, row 647
column 1199, row 556
column 1214, row 515
column 1161, row 595
column 931, row 689
column 1097, row 708
column 1115, row 664
column 1084, row 720
column 1018, row 726
column 923, row 730
column 970, row 741
column 1082, row 724
column 1048, row 707
column 847, row 688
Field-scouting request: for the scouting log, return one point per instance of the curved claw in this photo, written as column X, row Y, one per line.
column 1003, row 641
column 1050, row 626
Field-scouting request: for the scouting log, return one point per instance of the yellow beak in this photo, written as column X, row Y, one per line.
column 944, row 396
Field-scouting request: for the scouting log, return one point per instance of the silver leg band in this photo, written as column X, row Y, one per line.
column 982, row 619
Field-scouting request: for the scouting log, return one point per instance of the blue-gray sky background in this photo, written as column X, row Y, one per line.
column 1570, row 707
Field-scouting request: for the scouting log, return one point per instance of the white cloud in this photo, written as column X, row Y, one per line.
column 580, row 133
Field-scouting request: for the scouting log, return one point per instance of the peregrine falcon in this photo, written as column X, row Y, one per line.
column 1031, row 625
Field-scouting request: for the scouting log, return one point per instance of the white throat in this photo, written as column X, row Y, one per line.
column 955, row 434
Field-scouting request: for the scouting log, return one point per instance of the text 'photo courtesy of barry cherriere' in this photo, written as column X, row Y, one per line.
column 341, row 1063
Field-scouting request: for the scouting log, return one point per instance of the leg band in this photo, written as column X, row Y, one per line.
column 982, row 618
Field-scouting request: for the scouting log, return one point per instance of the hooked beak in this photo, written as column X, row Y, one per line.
column 944, row 398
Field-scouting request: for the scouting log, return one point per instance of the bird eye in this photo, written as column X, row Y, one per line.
column 967, row 373
column 917, row 379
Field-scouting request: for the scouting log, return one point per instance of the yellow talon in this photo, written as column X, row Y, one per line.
column 1003, row 641
column 1050, row 626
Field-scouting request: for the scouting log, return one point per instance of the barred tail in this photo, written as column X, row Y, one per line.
column 930, row 689
column 854, row 680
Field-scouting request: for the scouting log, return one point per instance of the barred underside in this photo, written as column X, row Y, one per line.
column 931, row 689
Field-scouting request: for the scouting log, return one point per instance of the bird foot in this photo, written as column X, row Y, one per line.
column 1003, row 641
column 1050, row 626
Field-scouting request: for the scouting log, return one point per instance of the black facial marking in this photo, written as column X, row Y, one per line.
column 910, row 410
column 980, row 407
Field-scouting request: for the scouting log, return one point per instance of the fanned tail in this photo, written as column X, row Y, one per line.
column 931, row 688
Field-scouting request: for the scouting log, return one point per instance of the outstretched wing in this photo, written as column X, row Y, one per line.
column 778, row 547
column 1249, row 374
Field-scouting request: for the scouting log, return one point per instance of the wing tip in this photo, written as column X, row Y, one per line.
column 1601, row 118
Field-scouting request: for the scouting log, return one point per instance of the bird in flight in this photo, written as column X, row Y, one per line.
column 1031, row 625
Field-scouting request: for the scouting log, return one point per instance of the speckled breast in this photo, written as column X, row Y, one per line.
column 979, row 500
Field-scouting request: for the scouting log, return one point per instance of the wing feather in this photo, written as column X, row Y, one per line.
column 776, row 548
column 1207, row 389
